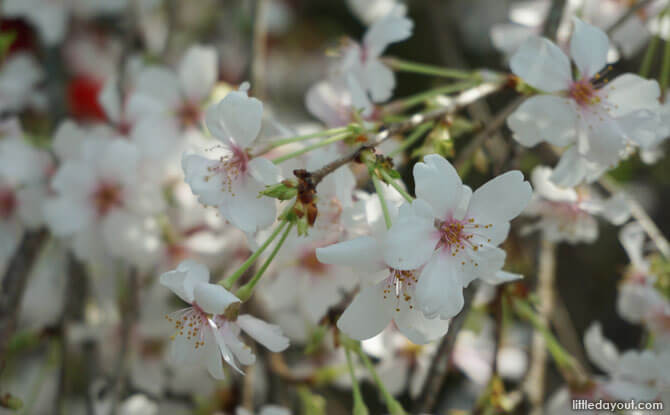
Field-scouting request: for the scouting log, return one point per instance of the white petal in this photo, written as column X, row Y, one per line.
column 66, row 216
column 542, row 64
column 361, row 253
column 203, row 182
column 120, row 162
column 410, row 242
column 213, row 298
column 74, row 179
column 438, row 183
column 237, row 117
column 500, row 199
column 158, row 86
column 601, row 140
column 198, row 71
column 241, row 351
column 588, row 47
column 571, row 169
column 367, row 315
column 601, row 351
column 67, row 140
column 211, row 351
column 379, row 80
column 264, row 171
column 385, row 31
column 419, row 329
column 110, row 100
column 325, row 101
column 439, row 291
column 269, row 335
column 629, row 92
column 502, row 277
column 484, row 263
column 544, row 118
column 246, row 210
column 274, row 410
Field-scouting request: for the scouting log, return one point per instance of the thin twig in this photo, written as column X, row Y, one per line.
column 638, row 212
column 129, row 314
column 497, row 122
column 535, row 380
column 554, row 18
column 440, row 366
column 14, row 285
column 631, row 11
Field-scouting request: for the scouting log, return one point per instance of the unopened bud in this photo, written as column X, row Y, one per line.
column 285, row 190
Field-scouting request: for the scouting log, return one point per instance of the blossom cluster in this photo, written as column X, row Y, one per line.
column 166, row 211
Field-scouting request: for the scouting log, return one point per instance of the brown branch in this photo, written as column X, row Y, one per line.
column 14, row 285
column 439, row 368
column 535, row 380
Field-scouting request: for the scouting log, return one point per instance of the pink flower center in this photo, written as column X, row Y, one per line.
column 230, row 169
column 189, row 114
column 8, row 203
column 584, row 93
column 456, row 235
column 106, row 197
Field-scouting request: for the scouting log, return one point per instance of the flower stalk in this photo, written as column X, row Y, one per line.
column 400, row 65
column 228, row 283
column 326, row 142
column 244, row 292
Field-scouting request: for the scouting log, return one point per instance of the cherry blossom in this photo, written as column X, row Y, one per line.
column 233, row 181
column 208, row 330
column 101, row 197
column 453, row 233
column 19, row 78
column 597, row 117
column 570, row 214
column 362, row 60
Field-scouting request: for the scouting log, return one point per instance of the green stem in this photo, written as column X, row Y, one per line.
column 649, row 54
column 665, row 69
column 558, row 353
column 424, row 69
column 446, row 89
column 244, row 292
column 416, row 134
column 359, row 403
column 327, row 141
column 392, row 404
column 390, row 180
column 382, row 199
column 283, row 141
column 230, row 281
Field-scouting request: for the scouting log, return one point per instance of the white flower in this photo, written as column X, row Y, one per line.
column 526, row 20
column 370, row 11
column 634, row 374
column 102, row 199
column 159, row 90
column 567, row 214
column 232, row 182
column 208, row 329
column 19, row 76
column 23, row 186
column 598, row 117
column 335, row 100
column 454, row 233
column 362, row 60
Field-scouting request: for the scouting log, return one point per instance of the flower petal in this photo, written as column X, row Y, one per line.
column 367, row 315
column 437, row 182
column 213, row 298
column 544, row 118
column 360, row 253
column 269, row 335
column 629, row 92
column 419, row 329
column 439, row 291
column 588, row 47
column 198, row 71
column 410, row 242
column 390, row 29
column 500, row 199
column 237, row 117
column 542, row 64
column 198, row 173
column 241, row 351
